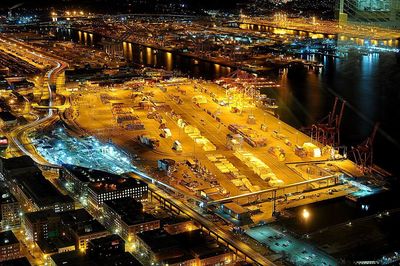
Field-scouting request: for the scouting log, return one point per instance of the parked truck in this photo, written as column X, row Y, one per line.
column 149, row 141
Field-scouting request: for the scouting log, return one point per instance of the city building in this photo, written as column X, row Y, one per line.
column 105, row 247
column 71, row 258
column 11, row 167
column 60, row 244
column 84, row 231
column 27, row 183
column 104, row 251
column 236, row 211
column 126, row 216
column 187, row 248
column 78, row 178
column 74, row 258
column 100, row 191
column 77, row 225
column 36, row 193
column 95, row 186
column 42, row 224
column 10, row 210
column 177, row 224
column 9, row 246
column 23, row 261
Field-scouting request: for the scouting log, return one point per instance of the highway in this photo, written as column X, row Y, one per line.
column 17, row 134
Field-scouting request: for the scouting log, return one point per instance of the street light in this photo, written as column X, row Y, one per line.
column 306, row 214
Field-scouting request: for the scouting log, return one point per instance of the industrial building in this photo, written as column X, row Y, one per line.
column 23, row 261
column 78, row 225
column 236, row 211
column 9, row 246
column 116, row 188
column 10, row 210
column 31, row 188
column 177, row 224
column 103, row 251
column 61, row 244
column 187, row 248
column 82, row 227
column 97, row 186
column 41, row 224
column 126, row 216
column 12, row 167
column 38, row 193
column 78, row 178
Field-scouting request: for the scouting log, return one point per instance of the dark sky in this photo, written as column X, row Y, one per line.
column 94, row 3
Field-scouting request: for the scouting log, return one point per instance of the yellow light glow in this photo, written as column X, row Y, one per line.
column 306, row 214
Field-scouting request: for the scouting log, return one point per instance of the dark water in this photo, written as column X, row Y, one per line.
column 149, row 57
column 325, row 214
column 356, row 231
column 370, row 85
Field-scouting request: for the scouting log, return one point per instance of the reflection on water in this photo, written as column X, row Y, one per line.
column 369, row 84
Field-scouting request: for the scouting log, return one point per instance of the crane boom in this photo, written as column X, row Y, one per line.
column 15, row 6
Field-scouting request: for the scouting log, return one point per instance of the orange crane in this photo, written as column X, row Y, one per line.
column 363, row 153
column 327, row 131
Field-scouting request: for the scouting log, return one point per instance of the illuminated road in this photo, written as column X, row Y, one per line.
column 226, row 236
column 17, row 133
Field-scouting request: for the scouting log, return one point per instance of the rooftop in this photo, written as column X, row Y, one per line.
column 122, row 259
column 35, row 217
column 116, row 185
column 177, row 219
column 7, row 238
column 130, row 211
column 87, row 228
column 72, row 258
column 18, row 163
column 107, row 239
column 78, row 216
column 234, row 207
column 175, row 248
column 16, row 262
column 6, row 196
column 89, row 175
column 71, row 219
column 54, row 244
column 41, row 190
column 157, row 240
column 101, row 181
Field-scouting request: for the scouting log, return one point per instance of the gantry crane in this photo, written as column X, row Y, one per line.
column 363, row 153
column 327, row 131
